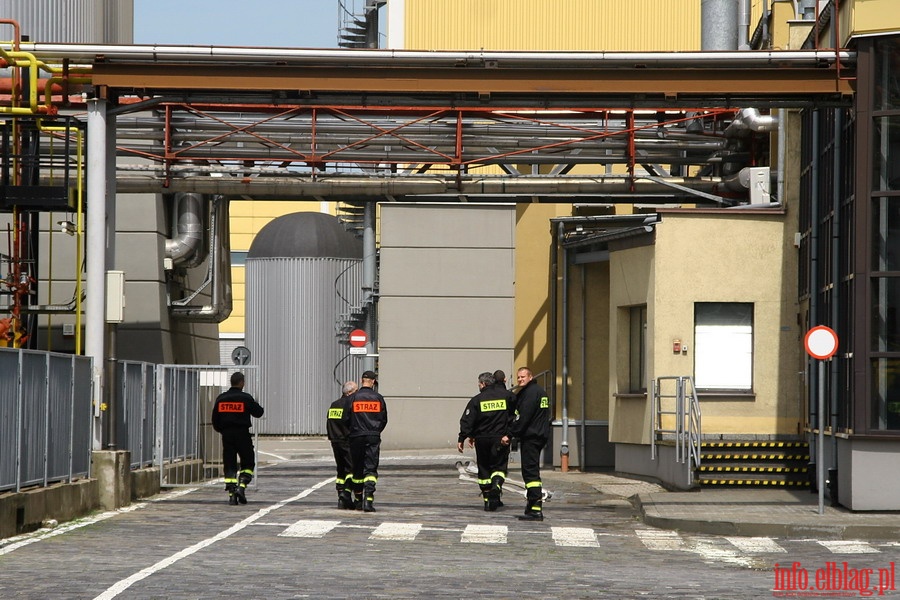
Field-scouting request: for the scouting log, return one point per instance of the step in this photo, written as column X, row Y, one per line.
column 756, row 483
column 745, row 456
column 749, row 469
column 754, row 444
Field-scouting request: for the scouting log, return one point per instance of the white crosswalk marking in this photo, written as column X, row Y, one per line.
column 756, row 545
column 575, row 536
column 660, row 540
column 849, row 547
column 396, row 531
column 485, row 534
column 309, row 529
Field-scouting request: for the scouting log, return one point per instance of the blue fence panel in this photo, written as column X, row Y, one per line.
column 82, row 416
column 137, row 411
column 9, row 418
column 45, row 417
column 35, row 413
column 60, row 422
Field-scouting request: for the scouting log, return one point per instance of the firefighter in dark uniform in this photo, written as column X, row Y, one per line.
column 486, row 420
column 366, row 419
column 500, row 386
column 532, row 428
column 338, row 435
column 231, row 418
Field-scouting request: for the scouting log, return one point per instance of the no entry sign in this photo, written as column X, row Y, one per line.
column 821, row 342
column 358, row 338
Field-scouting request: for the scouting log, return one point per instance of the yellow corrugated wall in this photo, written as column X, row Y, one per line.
column 614, row 25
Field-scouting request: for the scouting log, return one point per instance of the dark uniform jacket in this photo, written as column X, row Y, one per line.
column 233, row 410
column 533, row 419
column 510, row 398
column 486, row 415
column 336, row 427
column 367, row 414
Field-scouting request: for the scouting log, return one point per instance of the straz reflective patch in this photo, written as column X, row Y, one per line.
column 372, row 406
column 231, row 407
column 489, row 405
column 335, row 413
column 545, row 402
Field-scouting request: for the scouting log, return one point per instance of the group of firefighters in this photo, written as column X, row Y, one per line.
column 494, row 421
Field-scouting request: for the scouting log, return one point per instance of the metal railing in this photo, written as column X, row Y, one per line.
column 676, row 415
column 45, row 418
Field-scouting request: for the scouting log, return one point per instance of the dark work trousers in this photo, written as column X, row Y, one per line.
column 237, row 442
column 343, row 481
column 364, row 453
column 530, row 450
column 492, row 457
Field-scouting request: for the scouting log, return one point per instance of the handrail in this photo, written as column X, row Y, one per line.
column 685, row 419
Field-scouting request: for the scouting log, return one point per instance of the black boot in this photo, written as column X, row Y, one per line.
column 345, row 500
column 232, row 499
column 367, row 505
column 239, row 495
column 357, row 502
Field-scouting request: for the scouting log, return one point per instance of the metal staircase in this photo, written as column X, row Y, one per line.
column 358, row 23
column 351, row 216
column 755, row 464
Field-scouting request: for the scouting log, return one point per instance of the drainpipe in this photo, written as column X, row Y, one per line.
column 564, row 342
column 555, row 232
column 836, row 296
column 582, row 444
column 782, row 161
column 744, row 25
column 815, row 417
column 370, row 274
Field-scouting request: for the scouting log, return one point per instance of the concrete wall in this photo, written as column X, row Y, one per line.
column 445, row 313
column 868, row 473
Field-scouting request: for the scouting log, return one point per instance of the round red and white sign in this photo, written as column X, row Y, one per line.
column 358, row 338
column 821, row 342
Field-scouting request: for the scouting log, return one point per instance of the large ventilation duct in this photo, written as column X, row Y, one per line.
column 185, row 248
column 218, row 275
column 719, row 25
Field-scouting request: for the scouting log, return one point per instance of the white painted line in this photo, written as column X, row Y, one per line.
column 756, row 545
column 582, row 537
column 484, row 534
column 660, row 540
column 396, row 531
column 849, row 547
column 271, row 454
column 309, row 529
column 122, row 585
column 718, row 553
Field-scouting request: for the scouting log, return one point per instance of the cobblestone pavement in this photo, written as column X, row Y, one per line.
column 430, row 537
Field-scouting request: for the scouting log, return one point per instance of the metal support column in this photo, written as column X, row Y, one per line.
column 95, row 258
column 370, row 273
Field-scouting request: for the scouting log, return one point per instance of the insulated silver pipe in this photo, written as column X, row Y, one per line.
column 155, row 53
column 348, row 186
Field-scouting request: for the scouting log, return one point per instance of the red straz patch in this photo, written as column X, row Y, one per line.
column 367, row 406
column 231, row 407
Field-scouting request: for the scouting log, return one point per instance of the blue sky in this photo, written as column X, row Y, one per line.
column 280, row 23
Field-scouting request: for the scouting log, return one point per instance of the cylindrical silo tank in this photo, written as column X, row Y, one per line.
column 303, row 276
column 72, row 22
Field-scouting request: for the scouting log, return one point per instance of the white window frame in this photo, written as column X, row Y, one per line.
column 723, row 346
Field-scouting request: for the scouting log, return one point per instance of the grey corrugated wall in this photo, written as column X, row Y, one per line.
column 292, row 311
column 72, row 21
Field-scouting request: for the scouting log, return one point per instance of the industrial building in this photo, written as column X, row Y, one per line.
column 649, row 205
